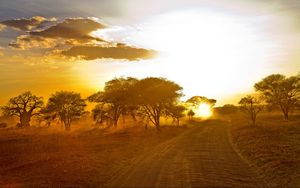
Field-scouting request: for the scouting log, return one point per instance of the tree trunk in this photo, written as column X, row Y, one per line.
column 133, row 116
column 25, row 120
column 67, row 125
column 286, row 115
column 157, row 123
column 253, row 120
column 253, row 117
column 285, row 111
column 115, row 123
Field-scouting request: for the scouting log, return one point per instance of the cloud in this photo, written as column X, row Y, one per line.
column 71, row 28
column 71, row 39
column 70, row 32
column 116, row 52
column 25, row 42
column 36, row 22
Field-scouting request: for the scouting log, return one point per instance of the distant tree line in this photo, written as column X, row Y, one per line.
column 148, row 98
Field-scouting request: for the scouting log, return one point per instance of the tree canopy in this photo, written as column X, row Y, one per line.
column 281, row 91
column 155, row 96
column 197, row 100
column 119, row 94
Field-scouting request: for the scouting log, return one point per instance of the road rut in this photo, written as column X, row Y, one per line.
column 200, row 157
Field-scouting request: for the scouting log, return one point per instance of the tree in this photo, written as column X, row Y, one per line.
column 280, row 91
column 24, row 106
column 118, row 93
column 251, row 106
column 101, row 113
column 191, row 114
column 195, row 101
column 176, row 112
column 68, row 106
column 155, row 96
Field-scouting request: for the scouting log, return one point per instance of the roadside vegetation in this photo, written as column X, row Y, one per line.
column 265, row 129
column 272, row 147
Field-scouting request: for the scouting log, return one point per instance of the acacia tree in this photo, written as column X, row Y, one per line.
column 251, row 106
column 155, row 96
column 195, row 101
column 24, row 106
column 101, row 113
column 118, row 93
column 68, row 106
column 280, row 91
column 176, row 112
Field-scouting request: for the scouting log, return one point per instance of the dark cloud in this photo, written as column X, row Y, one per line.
column 36, row 22
column 70, row 32
column 71, row 28
column 72, row 38
column 116, row 52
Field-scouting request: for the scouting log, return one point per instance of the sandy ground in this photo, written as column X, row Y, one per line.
column 200, row 157
column 39, row 157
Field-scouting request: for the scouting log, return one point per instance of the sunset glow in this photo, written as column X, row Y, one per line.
column 204, row 111
column 160, row 93
column 209, row 49
column 207, row 46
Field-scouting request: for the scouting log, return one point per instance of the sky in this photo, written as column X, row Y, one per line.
column 217, row 49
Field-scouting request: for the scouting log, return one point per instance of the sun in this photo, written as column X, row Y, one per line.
column 204, row 111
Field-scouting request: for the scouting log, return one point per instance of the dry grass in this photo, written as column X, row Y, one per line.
column 48, row 158
column 273, row 147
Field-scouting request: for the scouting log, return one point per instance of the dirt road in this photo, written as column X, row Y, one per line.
column 200, row 157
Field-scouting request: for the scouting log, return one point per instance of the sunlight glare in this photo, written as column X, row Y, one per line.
column 204, row 111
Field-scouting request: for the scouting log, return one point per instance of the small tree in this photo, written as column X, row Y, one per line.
column 176, row 112
column 155, row 96
column 119, row 95
column 191, row 114
column 280, row 91
column 67, row 106
column 251, row 106
column 24, row 106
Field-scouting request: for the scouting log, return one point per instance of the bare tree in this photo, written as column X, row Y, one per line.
column 280, row 91
column 251, row 106
column 24, row 106
column 68, row 106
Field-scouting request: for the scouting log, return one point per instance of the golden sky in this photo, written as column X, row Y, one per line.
column 216, row 49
